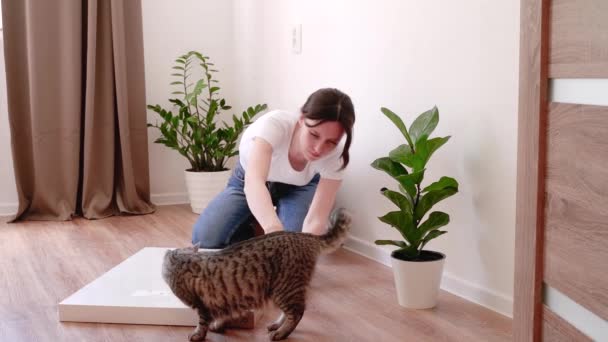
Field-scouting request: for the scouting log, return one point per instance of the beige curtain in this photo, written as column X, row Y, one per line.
column 77, row 108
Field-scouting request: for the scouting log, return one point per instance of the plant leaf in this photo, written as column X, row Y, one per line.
column 409, row 182
column 425, row 149
column 403, row 154
column 392, row 242
column 389, row 166
column 398, row 122
column 424, row 124
column 430, row 236
column 436, row 220
column 430, row 199
column 403, row 222
column 404, row 203
column 442, row 183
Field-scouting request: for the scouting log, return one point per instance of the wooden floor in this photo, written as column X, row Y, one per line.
column 351, row 299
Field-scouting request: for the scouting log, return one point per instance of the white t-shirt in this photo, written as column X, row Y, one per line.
column 277, row 127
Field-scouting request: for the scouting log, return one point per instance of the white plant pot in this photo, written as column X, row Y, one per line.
column 417, row 282
column 204, row 186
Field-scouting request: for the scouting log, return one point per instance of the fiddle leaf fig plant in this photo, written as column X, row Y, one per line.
column 192, row 130
column 406, row 164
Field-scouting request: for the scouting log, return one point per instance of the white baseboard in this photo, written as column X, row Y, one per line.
column 8, row 209
column 460, row 287
column 170, row 198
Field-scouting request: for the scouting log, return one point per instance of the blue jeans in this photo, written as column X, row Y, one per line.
column 227, row 218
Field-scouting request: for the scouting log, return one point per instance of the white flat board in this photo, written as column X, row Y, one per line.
column 133, row 292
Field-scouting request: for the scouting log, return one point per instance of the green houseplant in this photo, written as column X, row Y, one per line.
column 406, row 164
column 192, row 128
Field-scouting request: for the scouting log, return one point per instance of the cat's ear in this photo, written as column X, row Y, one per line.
column 196, row 246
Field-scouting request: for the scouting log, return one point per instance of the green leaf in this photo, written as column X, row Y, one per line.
column 398, row 122
column 178, row 68
column 403, row 154
column 424, row 124
column 404, row 203
column 436, row 143
column 392, row 242
column 178, row 102
column 177, row 82
column 389, row 166
column 409, row 182
column 436, row 220
column 425, row 149
column 442, row 183
column 430, row 236
column 430, row 199
column 402, row 221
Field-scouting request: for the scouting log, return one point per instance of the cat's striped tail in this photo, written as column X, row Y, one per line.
column 339, row 225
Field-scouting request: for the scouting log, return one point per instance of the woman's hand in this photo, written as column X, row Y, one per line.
column 273, row 228
column 320, row 208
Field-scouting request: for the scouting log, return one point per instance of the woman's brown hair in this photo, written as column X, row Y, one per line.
column 330, row 104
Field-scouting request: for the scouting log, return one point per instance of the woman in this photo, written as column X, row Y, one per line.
column 291, row 162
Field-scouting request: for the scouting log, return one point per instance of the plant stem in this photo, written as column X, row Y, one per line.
column 416, row 204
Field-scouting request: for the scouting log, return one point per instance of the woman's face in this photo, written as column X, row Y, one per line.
column 316, row 142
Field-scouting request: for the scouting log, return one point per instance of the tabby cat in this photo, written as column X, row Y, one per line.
column 223, row 285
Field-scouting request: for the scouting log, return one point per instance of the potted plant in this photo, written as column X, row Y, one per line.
column 193, row 130
column 417, row 271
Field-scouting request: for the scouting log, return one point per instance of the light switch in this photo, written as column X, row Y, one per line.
column 296, row 38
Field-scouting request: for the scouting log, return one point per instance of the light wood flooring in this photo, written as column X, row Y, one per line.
column 351, row 299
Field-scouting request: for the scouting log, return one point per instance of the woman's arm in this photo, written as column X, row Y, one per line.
column 320, row 208
column 256, row 192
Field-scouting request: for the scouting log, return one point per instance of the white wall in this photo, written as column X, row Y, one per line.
column 172, row 28
column 409, row 56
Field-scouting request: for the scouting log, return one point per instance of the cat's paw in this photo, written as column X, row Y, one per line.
column 277, row 335
column 196, row 336
column 218, row 326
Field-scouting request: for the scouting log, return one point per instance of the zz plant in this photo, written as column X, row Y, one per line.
column 192, row 130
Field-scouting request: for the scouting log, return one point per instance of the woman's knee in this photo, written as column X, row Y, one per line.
column 218, row 221
column 208, row 234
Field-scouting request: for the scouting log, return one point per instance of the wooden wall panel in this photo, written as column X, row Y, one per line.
column 578, row 39
column 576, row 212
column 556, row 329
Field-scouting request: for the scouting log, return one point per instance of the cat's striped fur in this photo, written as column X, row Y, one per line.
column 225, row 284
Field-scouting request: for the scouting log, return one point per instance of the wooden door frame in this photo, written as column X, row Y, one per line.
column 531, row 166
